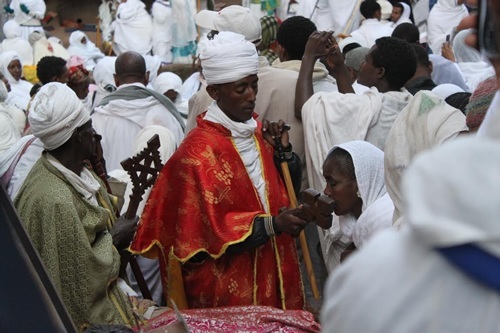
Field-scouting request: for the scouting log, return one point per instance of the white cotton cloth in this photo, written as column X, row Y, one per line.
column 371, row 30
column 228, row 58
column 445, row 72
column 56, row 112
column 106, row 18
column 133, row 28
column 104, row 79
column 119, row 121
column 19, row 94
column 168, row 81
column 42, row 47
column 88, row 51
column 405, row 15
column 183, row 23
column 377, row 209
column 474, row 69
column 426, row 122
column 84, row 183
column 9, row 132
column 243, row 135
column 31, row 21
column 446, row 90
column 443, row 17
column 14, row 42
column 161, row 11
column 192, row 85
column 490, row 127
column 16, row 115
column 333, row 118
column 404, row 271
column 340, row 16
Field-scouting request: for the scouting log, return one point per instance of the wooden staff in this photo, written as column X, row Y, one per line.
column 293, row 204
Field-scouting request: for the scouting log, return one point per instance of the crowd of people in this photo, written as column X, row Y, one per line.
column 385, row 107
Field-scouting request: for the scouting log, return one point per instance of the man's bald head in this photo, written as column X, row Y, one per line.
column 130, row 67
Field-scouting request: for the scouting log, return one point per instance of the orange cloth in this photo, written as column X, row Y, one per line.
column 204, row 201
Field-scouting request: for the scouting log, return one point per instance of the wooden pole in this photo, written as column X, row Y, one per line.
column 303, row 242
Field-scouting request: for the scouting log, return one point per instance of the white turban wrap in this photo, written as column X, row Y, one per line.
column 168, row 81
column 228, row 58
column 56, row 112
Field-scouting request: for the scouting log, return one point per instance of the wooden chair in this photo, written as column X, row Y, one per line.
column 143, row 170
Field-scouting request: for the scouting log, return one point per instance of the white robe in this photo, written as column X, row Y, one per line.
column 19, row 94
column 119, row 122
column 14, row 42
column 29, row 22
column 426, row 122
column 370, row 31
column 88, row 51
column 399, row 282
column 133, row 28
column 443, row 17
column 162, row 30
column 340, row 16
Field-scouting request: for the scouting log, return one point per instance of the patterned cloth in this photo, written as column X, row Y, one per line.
column 77, row 74
column 479, row 102
column 269, row 25
column 258, row 319
column 73, row 241
column 203, row 202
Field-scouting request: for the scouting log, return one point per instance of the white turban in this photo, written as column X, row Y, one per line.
column 228, row 58
column 168, row 81
column 56, row 112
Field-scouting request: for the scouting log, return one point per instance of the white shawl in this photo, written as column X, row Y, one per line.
column 14, row 42
column 426, row 122
column 133, row 28
column 88, row 51
column 405, row 15
column 443, row 17
column 19, row 94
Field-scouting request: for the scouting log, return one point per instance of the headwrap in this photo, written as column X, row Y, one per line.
column 354, row 58
column 479, row 102
column 5, row 59
column 168, row 81
column 446, row 90
column 103, row 73
column 268, row 43
column 77, row 74
column 56, row 112
column 228, row 58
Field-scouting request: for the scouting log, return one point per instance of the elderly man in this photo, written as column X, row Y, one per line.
column 218, row 206
column 123, row 113
column 69, row 215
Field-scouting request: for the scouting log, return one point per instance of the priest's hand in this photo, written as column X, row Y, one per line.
column 273, row 131
column 123, row 232
column 289, row 223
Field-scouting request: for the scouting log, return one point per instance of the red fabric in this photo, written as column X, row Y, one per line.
column 255, row 319
column 204, row 201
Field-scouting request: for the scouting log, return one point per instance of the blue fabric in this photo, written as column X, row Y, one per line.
column 475, row 262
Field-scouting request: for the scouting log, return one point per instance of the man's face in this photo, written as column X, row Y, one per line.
column 368, row 74
column 236, row 99
column 396, row 14
column 63, row 77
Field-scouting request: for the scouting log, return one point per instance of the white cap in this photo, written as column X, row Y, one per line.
column 234, row 18
column 446, row 90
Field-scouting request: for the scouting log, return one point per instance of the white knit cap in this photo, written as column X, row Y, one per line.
column 234, row 18
column 55, row 113
column 228, row 58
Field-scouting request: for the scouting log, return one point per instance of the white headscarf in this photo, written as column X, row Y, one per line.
column 20, row 89
column 88, row 51
column 443, row 17
column 448, row 208
column 168, row 81
column 56, row 112
column 405, row 15
column 377, row 209
column 228, row 58
column 426, row 122
column 104, row 79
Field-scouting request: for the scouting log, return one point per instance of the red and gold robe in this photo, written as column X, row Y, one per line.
column 204, row 201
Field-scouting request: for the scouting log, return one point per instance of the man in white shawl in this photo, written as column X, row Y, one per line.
column 104, row 80
column 170, row 85
column 371, row 28
column 337, row 117
column 439, row 274
column 12, row 68
column 443, row 18
column 123, row 113
column 161, row 11
column 426, row 122
column 400, row 14
column 80, row 45
column 133, row 28
column 28, row 13
column 14, row 42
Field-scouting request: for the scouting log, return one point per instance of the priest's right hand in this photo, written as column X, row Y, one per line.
column 289, row 223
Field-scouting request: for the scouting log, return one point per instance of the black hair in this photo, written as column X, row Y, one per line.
column 422, row 56
column 459, row 100
column 293, row 35
column 398, row 5
column 345, row 160
column 368, row 8
column 50, row 67
column 35, row 89
column 408, row 32
column 130, row 64
column 398, row 59
column 350, row 47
